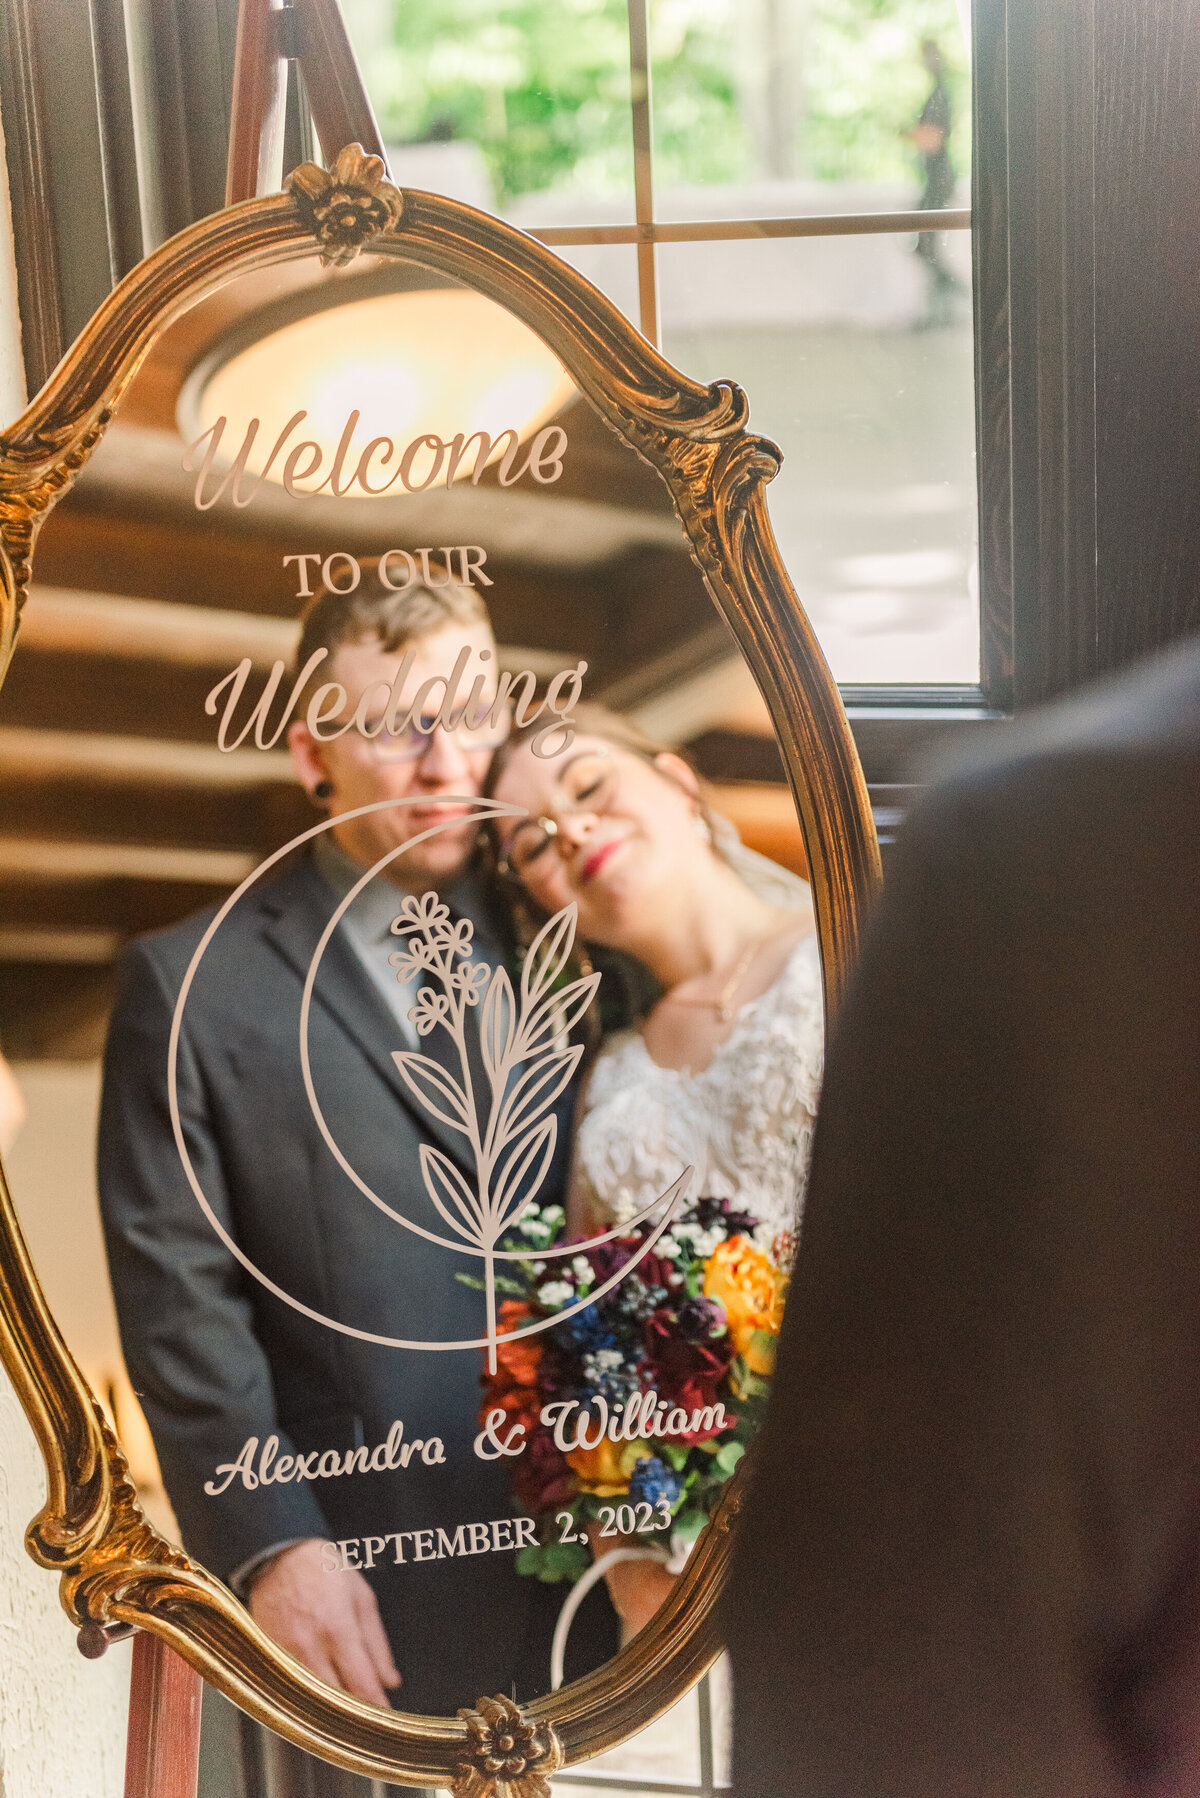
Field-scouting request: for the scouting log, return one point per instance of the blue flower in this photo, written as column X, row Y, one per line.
column 611, row 1372
column 652, row 1480
column 586, row 1332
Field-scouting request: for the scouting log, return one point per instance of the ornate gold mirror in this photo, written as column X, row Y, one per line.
column 463, row 1062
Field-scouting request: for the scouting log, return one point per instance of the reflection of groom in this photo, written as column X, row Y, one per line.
column 215, row 1357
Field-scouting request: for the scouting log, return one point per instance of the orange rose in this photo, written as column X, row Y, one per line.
column 605, row 1469
column 516, row 1362
column 752, row 1292
column 520, row 1404
column 759, row 1353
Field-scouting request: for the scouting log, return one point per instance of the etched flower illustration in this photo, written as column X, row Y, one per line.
column 456, row 937
column 430, row 1010
column 471, row 980
column 413, row 960
column 422, row 912
column 507, row 1119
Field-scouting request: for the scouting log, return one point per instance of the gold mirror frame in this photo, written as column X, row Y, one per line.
column 115, row 1568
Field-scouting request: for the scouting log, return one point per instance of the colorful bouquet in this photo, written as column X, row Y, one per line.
column 636, row 1409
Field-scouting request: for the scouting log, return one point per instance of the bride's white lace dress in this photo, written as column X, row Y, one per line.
column 744, row 1122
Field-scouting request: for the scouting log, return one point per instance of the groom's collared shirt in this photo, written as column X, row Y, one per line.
column 367, row 924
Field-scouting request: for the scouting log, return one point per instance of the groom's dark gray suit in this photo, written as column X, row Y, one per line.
column 217, row 1359
column 970, row 1561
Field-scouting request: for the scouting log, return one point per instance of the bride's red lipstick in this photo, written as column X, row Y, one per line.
column 596, row 860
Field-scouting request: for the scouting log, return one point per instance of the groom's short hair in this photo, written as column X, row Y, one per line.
column 391, row 618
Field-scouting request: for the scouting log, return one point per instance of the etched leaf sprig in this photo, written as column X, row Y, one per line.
column 528, row 1061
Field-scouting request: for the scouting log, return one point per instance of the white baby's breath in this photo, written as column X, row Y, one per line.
column 555, row 1293
column 623, row 1207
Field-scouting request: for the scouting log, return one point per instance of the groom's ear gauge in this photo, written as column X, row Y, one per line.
column 323, row 790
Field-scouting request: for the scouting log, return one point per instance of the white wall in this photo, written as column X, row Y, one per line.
column 62, row 1719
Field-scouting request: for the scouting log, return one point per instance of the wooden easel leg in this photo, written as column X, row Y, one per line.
column 162, row 1755
column 318, row 40
column 256, row 110
column 337, row 94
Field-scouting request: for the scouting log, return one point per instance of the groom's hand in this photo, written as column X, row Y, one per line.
column 329, row 1621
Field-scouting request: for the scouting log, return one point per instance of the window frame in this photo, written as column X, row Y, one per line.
column 899, row 728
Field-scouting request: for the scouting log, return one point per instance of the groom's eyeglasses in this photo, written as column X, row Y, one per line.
column 410, row 744
column 593, row 781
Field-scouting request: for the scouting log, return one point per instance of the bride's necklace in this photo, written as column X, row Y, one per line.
column 722, row 1002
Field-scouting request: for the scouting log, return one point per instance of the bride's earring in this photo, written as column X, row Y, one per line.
column 703, row 829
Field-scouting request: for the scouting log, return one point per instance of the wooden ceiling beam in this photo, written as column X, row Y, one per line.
column 66, row 811
column 725, row 755
column 46, row 947
column 119, row 696
column 36, row 859
column 78, row 622
column 76, row 787
column 97, row 760
column 54, row 1011
column 120, row 903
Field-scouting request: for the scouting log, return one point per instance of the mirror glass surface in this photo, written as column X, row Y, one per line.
column 387, row 795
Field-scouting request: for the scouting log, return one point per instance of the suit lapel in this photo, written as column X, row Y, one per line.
column 296, row 911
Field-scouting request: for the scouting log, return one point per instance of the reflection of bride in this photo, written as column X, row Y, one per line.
column 723, row 1072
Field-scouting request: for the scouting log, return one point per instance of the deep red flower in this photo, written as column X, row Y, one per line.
column 541, row 1477
column 685, row 1373
column 657, row 1270
column 698, row 1392
column 607, row 1257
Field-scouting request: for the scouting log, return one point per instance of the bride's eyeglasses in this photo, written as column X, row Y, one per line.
column 589, row 783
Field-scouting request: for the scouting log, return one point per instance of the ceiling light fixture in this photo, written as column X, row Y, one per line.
column 432, row 362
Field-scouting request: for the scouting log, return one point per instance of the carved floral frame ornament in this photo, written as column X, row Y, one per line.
column 116, row 1570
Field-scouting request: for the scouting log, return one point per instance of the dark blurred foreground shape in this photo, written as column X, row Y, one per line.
column 970, row 1565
